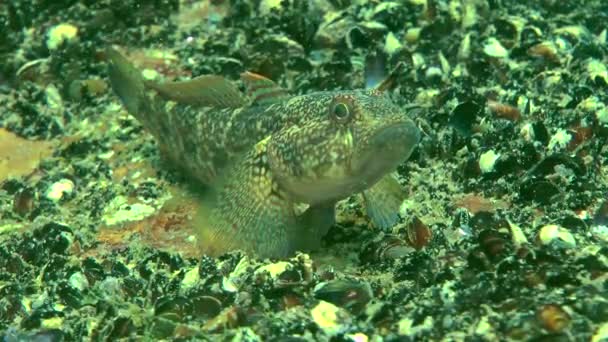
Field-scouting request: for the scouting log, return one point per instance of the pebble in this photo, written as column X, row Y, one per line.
column 331, row 319
column 554, row 234
column 487, row 161
column 60, row 188
column 59, row 34
column 493, row 48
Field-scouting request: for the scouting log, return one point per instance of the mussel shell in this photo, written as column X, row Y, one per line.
column 347, row 293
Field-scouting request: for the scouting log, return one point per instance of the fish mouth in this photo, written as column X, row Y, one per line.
column 385, row 150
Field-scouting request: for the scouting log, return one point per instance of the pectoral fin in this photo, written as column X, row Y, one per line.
column 314, row 224
column 127, row 82
column 250, row 212
column 382, row 201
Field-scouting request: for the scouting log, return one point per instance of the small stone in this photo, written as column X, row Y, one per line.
column 79, row 281
column 268, row 5
column 547, row 50
column 110, row 287
column 59, row 34
column 487, row 161
column 391, row 44
column 274, row 269
column 330, row 318
column 58, row 189
column 191, row 278
column 120, row 211
column 602, row 115
column 600, row 232
column 412, row 35
column 591, row 103
column 597, row 70
column 560, row 139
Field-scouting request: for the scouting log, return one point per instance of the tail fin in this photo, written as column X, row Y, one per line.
column 126, row 81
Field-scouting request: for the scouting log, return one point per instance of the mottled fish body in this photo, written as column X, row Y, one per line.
column 267, row 152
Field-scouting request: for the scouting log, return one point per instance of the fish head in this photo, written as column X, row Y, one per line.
column 343, row 143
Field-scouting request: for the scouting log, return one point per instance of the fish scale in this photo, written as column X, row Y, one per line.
column 265, row 153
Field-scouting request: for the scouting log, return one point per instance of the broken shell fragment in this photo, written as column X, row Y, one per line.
column 504, row 111
column 59, row 34
column 507, row 31
column 601, row 334
column 553, row 318
column 392, row 44
column 281, row 274
column 464, row 49
column 59, row 189
column 418, row 233
column 599, row 228
column 545, row 50
column 24, row 201
column 493, row 48
column 388, row 247
column 487, row 161
column 333, row 30
column 412, row 35
column 540, row 191
column 464, row 116
column 332, row 320
column 178, row 307
column 602, row 115
column 228, row 318
column 601, row 215
column 559, row 140
column 597, row 71
column 517, row 235
column 555, row 235
column 493, row 243
column 540, row 132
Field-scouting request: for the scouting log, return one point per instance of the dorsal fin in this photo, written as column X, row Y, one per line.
column 126, row 81
column 204, row 91
column 262, row 90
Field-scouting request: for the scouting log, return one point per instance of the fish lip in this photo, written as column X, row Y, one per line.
column 386, row 149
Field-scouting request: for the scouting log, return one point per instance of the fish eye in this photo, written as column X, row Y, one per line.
column 341, row 111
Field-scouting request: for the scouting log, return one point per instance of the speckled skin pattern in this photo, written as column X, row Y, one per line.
column 262, row 159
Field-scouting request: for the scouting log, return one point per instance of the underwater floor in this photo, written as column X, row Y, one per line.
column 503, row 234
